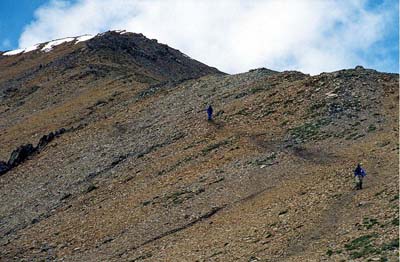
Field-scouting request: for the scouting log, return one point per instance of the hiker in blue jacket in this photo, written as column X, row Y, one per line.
column 209, row 112
column 359, row 174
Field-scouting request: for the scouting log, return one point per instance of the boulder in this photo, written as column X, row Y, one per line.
column 20, row 154
column 4, row 167
column 44, row 141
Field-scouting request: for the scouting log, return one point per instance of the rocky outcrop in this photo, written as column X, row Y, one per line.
column 4, row 167
column 20, row 154
column 23, row 152
column 159, row 59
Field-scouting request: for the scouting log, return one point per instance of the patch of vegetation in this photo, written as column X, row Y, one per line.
column 273, row 224
column 392, row 245
column 395, row 198
column 216, row 253
column 211, row 147
column 316, row 106
column 383, row 143
column 216, row 181
column 395, row 221
column 362, row 246
column 179, row 197
column 368, row 223
column 90, row 188
column 288, row 101
column 309, row 130
column 351, row 136
column 284, row 123
column 355, row 124
column 240, row 95
column 268, row 235
column 253, row 258
column 174, row 166
column 358, row 136
column 267, row 112
column 254, row 90
column 360, row 242
column 330, row 252
column 371, row 128
column 265, row 160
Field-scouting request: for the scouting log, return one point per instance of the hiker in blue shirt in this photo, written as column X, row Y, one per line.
column 359, row 174
column 209, row 112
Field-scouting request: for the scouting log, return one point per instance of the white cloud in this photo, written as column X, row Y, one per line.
column 233, row 35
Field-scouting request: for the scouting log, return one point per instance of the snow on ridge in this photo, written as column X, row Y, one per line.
column 49, row 46
column 31, row 48
column 14, row 52
column 121, row 32
column 83, row 38
column 22, row 50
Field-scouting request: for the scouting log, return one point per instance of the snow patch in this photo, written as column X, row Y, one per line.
column 14, row 52
column 31, row 48
column 49, row 46
column 121, row 32
column 22, row 50
column 83, row 38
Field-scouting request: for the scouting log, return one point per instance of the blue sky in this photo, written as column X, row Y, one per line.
column 14, row 16
column 233, row 35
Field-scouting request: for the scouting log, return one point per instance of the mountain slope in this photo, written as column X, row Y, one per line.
column 62, row 86
column 140, row 175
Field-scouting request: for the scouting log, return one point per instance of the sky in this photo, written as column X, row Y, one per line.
column 311, row 36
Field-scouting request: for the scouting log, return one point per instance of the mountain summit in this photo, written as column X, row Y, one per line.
column 107, row 155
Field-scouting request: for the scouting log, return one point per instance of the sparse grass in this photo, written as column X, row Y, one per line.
column 216, row 253
column 316, row 106
column 211, row 147
column 395, row 198
column 268, row 112
column 351, row 136
column 90, row 188
column 368, row 223
column 284, row 123
column 383, row 143
column 255, row 90
column 379, row 193
column 392, row 245
column 267, row 160
column 371, row 128
column 330, row 252
column 242, row 112
column 308, row 130
column 363, row 246
column 360, row 242
column 367, row 250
